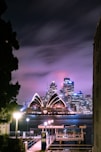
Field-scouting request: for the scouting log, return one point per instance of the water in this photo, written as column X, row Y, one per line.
column 78, row 120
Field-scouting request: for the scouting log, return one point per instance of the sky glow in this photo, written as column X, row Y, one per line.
column 56, row 41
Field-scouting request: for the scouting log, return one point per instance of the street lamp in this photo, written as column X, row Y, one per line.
column 16, row 116
column 49, row 123
column 27, row 120
column 45, row 124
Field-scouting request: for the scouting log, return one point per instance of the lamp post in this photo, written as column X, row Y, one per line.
column 43, row 138
column 27, row 120
column 45, row 124
column 49, row 123
column 16, row 116
column 52, row 121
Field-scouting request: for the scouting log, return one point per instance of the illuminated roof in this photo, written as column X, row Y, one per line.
column 52, row 101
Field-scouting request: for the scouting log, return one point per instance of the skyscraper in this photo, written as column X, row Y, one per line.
column 51, row 90
column 68, row 87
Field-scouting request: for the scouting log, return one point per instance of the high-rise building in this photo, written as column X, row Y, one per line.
column 68, row 87
column 67, row 90
column 53, row 87
column 51, row 90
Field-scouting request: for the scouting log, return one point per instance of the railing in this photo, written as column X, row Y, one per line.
column 74, row 137
column 30, row 142
column 23, row 134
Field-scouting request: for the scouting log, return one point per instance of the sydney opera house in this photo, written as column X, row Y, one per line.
column 63, row 101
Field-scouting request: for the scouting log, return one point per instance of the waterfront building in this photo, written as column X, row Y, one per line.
column 55, row 101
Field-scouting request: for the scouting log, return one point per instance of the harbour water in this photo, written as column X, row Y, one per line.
column 77, row 120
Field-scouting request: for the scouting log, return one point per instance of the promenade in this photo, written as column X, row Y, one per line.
column 66, row 120
column 37, row 146
column 78, row 148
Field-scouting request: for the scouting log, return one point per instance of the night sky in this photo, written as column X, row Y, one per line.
column 56, row 41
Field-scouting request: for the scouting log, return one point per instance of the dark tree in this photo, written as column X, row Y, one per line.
column 8, row 62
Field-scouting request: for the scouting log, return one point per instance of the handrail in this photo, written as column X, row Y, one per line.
column 30, row 142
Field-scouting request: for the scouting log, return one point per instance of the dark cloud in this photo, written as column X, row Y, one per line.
column 38, row 75
column 49, row 55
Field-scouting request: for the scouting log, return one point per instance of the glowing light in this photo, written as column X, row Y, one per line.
column 17, row 116
column 75, row 94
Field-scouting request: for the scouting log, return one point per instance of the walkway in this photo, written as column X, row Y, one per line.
column 37, row 146
column 77, row 148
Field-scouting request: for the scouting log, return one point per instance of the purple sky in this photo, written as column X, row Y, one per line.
column 56, row 41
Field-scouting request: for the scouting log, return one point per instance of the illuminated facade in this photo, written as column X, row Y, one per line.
column 68, row 87
column 55, row 103
column 66, row 100
column 67, row 90
column 51, row 91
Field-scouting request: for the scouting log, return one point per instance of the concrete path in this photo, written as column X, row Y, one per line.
column 37, row 146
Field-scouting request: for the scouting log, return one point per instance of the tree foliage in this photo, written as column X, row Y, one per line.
column 8, row 62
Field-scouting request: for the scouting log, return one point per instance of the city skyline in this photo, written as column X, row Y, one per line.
column 61, row 101
column 56, row 41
